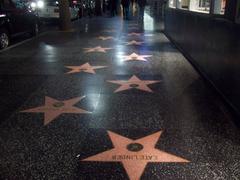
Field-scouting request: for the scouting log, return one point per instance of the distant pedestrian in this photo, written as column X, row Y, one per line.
column 90, row 8
column 132, row 2
column 141, row 8
column 125, row 6
column 113, row 7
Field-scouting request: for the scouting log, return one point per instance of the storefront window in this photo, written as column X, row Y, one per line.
column 219, row 6
column 203, row 6
column 200, row 6
column 183, row 4
column 172, row 3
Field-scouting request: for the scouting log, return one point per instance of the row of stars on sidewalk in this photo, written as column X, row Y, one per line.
column 134, row 154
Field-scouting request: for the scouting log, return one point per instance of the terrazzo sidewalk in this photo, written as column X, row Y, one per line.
column 112, row 99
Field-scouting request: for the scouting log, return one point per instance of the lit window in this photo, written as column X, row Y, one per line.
column 219, row 6
column 203, row 6
column 172, row 3
column 183, row 4
column 200, row 6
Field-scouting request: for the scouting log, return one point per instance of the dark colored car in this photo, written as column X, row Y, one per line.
column 16, row 19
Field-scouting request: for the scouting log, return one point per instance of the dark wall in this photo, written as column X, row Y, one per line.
column 212, row 45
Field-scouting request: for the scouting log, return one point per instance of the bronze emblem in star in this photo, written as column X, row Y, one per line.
column 135, row 154
column 137, row 43
column 96, row 49
column 53, row 108
column 134, row 34
column 104, row 38
column 84, row 68
column 135, row 57
column 134, row 83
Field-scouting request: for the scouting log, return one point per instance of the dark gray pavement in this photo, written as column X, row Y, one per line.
column 180, row 130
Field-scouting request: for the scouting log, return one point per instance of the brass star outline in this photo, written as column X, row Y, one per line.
column 135, row 154
column 104, row 38
column 84, row 68
column 54, row 108
column 109, row 30
column 96, row 49
column 133, row 83
column 133, row 42
column 135, row 57
column 134, row 34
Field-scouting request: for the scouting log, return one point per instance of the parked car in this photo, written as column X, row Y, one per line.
column 16, row 19
column 50, row 10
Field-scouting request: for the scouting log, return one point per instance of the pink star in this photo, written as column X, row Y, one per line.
column 53, row 108
column 96, row 49
column 105, row 37
column 84, row 68
column 109, row 30
column 134, row 83
column 134, row 34
column 135, row 57
column 134, row 43
column 135, row 154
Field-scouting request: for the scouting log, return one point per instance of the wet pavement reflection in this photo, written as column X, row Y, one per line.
column 112, row 99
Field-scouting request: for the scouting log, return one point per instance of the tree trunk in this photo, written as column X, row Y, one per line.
column 65, row 18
